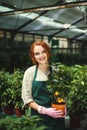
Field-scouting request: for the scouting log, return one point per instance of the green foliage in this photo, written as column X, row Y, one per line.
column 20, row 123
column 77, row 100
column 17, row 77
column 71, row 81
column 10, row 88
column 59, row 82
column 5, row 88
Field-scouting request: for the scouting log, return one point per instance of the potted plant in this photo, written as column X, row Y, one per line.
column 17, row 87
column 77, row 101
column 19, row 110
column 58, row 86
column 10, row 90
column 6, row 92
column 58, row 102
column 70, row 83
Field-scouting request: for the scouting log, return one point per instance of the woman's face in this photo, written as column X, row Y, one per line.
column 40, row 55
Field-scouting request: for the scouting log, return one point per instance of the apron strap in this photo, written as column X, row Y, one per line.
column 35, row 74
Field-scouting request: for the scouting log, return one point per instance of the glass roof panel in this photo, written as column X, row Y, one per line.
column 5, row 9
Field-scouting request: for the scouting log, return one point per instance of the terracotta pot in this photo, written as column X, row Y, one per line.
column 8, row 110
column 60, row 107
column 18, row 112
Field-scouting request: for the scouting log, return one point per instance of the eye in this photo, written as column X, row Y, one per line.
column 37, row 53
column 43, row 51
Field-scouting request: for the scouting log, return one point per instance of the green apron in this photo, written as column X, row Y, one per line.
column 41, row 96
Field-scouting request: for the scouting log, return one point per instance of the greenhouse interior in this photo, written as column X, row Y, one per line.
column 62, row 24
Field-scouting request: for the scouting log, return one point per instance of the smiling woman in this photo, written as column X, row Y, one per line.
column 34, row 88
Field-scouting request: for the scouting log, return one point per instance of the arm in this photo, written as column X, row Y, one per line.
column 33, row 105
column 26, row 87
column 52, row 112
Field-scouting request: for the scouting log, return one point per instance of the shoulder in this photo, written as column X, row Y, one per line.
column 30, row 70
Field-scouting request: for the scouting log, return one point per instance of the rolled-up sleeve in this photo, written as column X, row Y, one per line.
column 27, row 86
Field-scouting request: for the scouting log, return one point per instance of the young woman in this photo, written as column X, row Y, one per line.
column 34, row 91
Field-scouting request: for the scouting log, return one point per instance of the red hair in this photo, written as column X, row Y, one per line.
column 44, row 45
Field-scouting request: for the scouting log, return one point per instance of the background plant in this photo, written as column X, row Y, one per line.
column 71, row 82
column 57, row 81
column 5, row 88
column 17, row 77
column 77, row 101
column 20, row 123
column 10, row 88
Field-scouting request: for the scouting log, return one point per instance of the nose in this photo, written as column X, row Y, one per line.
column 41, row 54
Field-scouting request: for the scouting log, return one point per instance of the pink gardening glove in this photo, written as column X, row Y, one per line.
column 50, row 112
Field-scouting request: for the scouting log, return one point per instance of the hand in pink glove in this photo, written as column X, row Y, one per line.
column 50, row 111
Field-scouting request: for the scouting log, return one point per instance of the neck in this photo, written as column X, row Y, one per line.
column 44, row 67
